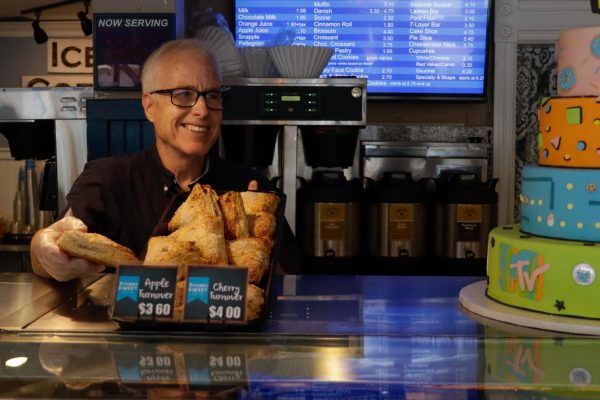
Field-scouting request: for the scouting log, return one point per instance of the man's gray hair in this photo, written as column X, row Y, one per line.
column 153, row 63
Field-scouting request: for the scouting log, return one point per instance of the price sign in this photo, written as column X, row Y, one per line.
column 145, row 293
column 216, row 295
column 216, row 367
column 146, row 365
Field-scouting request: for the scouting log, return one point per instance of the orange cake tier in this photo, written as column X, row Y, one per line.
column 569, row 133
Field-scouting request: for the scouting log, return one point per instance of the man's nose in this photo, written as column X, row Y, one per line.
column 200, row 108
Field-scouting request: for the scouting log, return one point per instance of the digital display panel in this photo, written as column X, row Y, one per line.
column 414, row 48
column 290, row 98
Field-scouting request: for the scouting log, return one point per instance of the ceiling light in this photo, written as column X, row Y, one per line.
column 39, row 34
column 86, row 23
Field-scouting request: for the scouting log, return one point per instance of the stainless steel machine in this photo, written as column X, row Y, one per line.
column 447, row 218
column 293, row 104
column 41, row 123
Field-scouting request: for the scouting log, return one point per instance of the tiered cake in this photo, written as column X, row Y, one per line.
column 548, row 263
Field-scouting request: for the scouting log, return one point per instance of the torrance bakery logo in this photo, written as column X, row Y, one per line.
column 128, row 287
column 522, row 271
column 198, row 289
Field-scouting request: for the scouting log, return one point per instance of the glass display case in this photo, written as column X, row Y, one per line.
column 326, row 337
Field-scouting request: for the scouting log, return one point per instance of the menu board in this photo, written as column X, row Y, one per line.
column 421, row 47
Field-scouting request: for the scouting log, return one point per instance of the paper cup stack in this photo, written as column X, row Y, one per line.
column 258, row 63
column 300, row 61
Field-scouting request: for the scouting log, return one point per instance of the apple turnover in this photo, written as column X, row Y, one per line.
column 167, row 250
column 201, row 202
column 96, row 248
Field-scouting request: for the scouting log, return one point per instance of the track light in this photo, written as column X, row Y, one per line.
column 86, row 23
column 39, row 34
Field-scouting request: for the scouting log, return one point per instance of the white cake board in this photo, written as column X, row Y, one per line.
column 473, row 298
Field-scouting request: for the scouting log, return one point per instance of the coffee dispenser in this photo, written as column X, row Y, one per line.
column 396, row 220
column 314, row 119
column 329, row 208
column 465, row 213
column 330, row 204
column 301, row 111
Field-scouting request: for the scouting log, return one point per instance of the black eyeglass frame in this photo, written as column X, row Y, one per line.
column 198, row 95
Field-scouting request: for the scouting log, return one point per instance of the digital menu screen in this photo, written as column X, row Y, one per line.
column 122, row 42
column 404, row 48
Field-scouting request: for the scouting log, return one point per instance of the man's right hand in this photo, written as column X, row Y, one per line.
column 49, row 261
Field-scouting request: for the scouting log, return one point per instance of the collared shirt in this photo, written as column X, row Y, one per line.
column 124, row 197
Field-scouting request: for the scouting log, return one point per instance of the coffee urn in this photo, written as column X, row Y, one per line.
column 465, row 213
column 396, row 220
column 329, row 222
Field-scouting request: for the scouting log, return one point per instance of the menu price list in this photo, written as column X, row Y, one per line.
column 399, row 46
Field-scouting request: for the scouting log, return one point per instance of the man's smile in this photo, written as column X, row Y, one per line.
column 195, row 128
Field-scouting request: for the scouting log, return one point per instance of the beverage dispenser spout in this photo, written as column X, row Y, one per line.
column 329, row 146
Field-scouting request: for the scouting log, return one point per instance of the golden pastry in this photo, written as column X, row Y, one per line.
column 252, row 253
column 96, row 248
column 260, row 201
column 234, row 216
column 201, row 202
column 262, row 224
column 167, row 250
column 256, row 302
column 208, row 237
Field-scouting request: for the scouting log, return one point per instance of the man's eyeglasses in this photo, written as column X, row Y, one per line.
column 184, row 97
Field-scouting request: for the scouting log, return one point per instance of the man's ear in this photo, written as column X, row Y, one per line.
column 148, row 104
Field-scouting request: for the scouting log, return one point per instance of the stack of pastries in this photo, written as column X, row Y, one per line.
column 231, row 229
column 235, row 229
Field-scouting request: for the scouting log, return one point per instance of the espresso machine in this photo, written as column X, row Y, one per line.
column 304, row 135
column 291, row 106
column 46, row 125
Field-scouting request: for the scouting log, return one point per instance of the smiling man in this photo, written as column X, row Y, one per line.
column 182, row 98
column 124, row 197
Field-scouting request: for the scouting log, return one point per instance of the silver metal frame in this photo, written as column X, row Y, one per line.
column 67, row 107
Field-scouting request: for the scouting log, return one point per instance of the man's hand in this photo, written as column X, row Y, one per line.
column 253, row 185
column 49, row 261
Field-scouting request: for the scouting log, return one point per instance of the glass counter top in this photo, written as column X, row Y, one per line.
column 326, row 337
